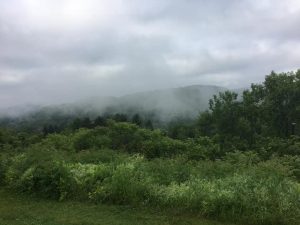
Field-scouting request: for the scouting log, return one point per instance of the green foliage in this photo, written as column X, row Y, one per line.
column 133, row 139
column 13, row 141
column 149, row 125
column 136, row 119
column 164, row 172
column 87, row 177
column 40, row 172
column 268, row 110
column 125, row 135
column 240, row 164
column 204, row 148
column 4, row 164
column 86, row 139
column 181, row 130
column 267, row 146
column 240, row 187
column 206, row 124
column 291, row 162
column 58, row 142
column 282, row 101
column 95, row 156
column 242, row 158
column 125, row 186
column 162, row 147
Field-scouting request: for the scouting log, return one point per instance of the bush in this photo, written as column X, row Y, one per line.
column 4, row 164
column 88, row 176
column 163, row 147
column 127, row 185
column 242, row 158
column 292, row 162
column 269, row 146
column 86, row 139
column 58, row 142
column 204, row 148
column 96, row 156
column 165, row 171
column 40, row 172
column 51, row 180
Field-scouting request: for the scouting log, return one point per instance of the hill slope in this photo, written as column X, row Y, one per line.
column 161, row 106
column 166, row 104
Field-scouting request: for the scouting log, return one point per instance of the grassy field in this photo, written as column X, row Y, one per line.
column 23, row 210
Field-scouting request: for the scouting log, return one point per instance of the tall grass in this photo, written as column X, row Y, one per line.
column 254, row 193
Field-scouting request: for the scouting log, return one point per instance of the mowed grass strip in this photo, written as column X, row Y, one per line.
column 23, row 210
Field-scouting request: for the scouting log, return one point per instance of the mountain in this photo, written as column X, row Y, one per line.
column 172, row 103
column 166, row 104
column 16, row 111
column 158, row 105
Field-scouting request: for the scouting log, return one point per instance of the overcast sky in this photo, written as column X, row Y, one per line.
column 54, row 51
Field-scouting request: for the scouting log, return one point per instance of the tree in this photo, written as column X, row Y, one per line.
column 149, row 125
column 136, row 119
column 282, row 101
column 76, row 124
column 206, row 125
column 99, row 121
column 271, row 109
column 119, row 117
column 86, row 123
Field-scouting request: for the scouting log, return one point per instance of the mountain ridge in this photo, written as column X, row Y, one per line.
column 162, row 104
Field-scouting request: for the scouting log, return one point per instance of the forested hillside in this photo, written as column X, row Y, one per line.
column 160, row 106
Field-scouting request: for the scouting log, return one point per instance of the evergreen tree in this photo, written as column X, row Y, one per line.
column 136, row 119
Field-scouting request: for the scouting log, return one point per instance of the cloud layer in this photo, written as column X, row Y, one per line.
column 54, row 51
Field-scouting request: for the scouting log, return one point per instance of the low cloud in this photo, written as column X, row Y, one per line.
column 59, row 51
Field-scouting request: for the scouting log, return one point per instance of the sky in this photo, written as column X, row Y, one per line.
column 55, row 51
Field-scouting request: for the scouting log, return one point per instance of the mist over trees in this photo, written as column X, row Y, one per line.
column 270, row 109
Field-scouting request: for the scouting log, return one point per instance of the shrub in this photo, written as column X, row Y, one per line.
column 125, row 186
column 95, row 156
column 292, row 162
column 51, row 180
column 88, row 176
column 123, row 135
column 163, row 147
column 268, row 146
column 57, row 142
column 40, row 172
column 165, row 171
column 242, row 158
column 204, row 148
column 4, row 164
column 86, row 139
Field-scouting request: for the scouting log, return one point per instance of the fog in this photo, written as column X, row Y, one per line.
column 53, row 51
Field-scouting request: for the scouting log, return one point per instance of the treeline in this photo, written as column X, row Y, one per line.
column 267, row 114
column 102, row 121
column 270, row 109
column 44, row 122
column 267, row 110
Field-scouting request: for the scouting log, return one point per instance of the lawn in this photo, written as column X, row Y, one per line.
column 23, row 210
